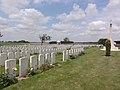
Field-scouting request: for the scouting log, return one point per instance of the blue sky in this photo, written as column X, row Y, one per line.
column 79, row 20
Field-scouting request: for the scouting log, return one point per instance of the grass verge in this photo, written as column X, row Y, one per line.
column 92, row 71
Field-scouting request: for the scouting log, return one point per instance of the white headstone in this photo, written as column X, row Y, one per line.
column 67, row 54
column 52, row 58
column 41, row 60
column 33, row 62
column 27, row 54
column 4, row 51
column 23, row 66
column 11, row 55
column 3, row 57
column 22, row 53
column 10, row 67
column 64, row 55
column 47, row 57
column 17, row 55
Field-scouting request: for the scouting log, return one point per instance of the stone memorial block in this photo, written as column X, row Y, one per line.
column 67, row 54
column 33, row 62
column 22, row 53
column 72, row 51
column 17, row 55
column 23, row 66
column 40, row 60
column 47, row 58
column 10, row 67
column 49, row 50
column 11, row 55
column 4, row 51
column 64, row 55
column 79, row 50
column 3, row 57
column 0, row 51
column 52, row 58
column 40, row 51
column 43, row 51
column 46, row 51
column 27, row 54
column 9, row 50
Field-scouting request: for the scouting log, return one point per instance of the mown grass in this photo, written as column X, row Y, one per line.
column 92, row 71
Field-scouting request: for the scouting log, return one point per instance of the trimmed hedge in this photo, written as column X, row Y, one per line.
column 108, row 47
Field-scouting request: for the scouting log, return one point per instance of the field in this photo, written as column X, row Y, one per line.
column 92, row 71
column 15, row 43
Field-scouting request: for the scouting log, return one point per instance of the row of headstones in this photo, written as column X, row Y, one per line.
column 34, row 48
column 17, row 55
column 12, row 55
column 23, row 62
column 31, row 50
column 10, row 64
column 75, row 51
column 39, row 50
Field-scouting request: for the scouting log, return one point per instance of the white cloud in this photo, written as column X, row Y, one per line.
column 112, row 12
column 113, row 4
column 29, row 18
column 12, row 6
column 38, row 1
column 97, row 25
column 26, row 24
column 79, row 24
column 65, row 27
column 50, row 1
column 91, row 9
column 3, row 21
column 76, row 14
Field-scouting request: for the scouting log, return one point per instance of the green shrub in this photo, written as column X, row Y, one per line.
column 31, row 72
column 45, row 67
column 6, row 81
column 72, row 56
column 108, row 47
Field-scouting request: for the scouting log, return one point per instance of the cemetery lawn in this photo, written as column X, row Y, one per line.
column 92, row 71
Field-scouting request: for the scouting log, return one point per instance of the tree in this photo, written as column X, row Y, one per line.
column 108, row 47
column 1, row 35
column 66, row 39
column 102, row 41
column 44, row 38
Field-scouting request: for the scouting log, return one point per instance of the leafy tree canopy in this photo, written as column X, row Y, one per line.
column 102, row 41
column 44, row 38
column 66, row 39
